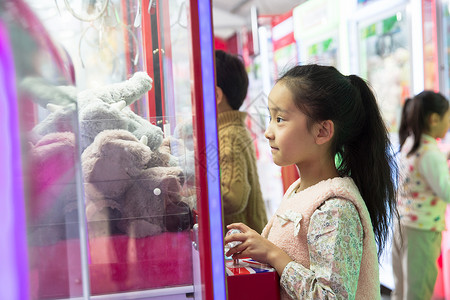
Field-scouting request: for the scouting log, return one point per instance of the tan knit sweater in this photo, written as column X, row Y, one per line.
column 241, row 193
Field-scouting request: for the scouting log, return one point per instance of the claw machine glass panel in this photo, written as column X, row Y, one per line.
column 430, row 46
column 442, row 288
column 116, row 119
column 285, row 52
column 321, row 33
column 444, row 47
column 396, row 51
column 385, row 56
column 47, row 173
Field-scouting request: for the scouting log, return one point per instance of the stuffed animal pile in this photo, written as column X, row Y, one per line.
column 133, row 183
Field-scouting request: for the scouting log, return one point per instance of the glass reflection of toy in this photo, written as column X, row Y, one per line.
column 236, row 263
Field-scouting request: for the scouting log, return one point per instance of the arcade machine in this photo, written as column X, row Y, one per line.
column 111, row 183
column 442, row 288
column 321, row 33
column 245, row 278
column 443, row 14
column 396, row 52
column 384, row 55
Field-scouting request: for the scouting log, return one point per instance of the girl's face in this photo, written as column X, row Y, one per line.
column 289, row 138
column 443, row 125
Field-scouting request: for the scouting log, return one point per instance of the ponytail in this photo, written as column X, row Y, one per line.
column 373, row 147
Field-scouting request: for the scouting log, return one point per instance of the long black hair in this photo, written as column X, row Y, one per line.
column 415, row 114
column 361, row 140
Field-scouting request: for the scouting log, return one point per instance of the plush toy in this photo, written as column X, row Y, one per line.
column 144, row 209
column 107, row 107
column 45, row 92
column 183, row 134
column 52, row 199
column 99, row 109
column 60, row 101
column 132, row 181
column 61, row 119
column 181, row 156
column 130, row 189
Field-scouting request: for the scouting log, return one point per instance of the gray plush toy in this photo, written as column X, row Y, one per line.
column 99, row 109
column 131, row 189
column 131, row 180
column 107, row 107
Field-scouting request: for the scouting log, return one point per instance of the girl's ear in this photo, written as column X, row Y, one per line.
column 324, row 132
column 434, row 119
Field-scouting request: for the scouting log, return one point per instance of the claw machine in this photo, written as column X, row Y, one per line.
column 442, row 7
column 111, row 183
column 444, row 45
column 384, row 56
column 320, row 30
column 396, row 51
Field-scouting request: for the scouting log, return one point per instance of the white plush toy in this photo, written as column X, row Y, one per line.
column 107, row 107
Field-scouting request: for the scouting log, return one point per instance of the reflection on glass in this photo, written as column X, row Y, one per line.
column 92, row 143
column 430, row 48
column 385, row 63
column 50, row 160
column 324, row 52
column 445, row 16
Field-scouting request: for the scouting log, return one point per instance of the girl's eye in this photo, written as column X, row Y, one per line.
column 279, row 119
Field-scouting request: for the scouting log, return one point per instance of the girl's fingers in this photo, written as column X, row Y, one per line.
column 235, row 237
column 246, row 233
column 235, row 249
column 241, row 226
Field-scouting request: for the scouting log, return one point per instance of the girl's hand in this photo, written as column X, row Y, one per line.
column 257, row 247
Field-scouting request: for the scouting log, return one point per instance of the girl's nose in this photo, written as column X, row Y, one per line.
column 268, row 133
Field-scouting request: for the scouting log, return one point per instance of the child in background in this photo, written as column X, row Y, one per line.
column 241, row 193
column 322, row 239
column 424, row 191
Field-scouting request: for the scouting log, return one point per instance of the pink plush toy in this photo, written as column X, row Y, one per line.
column 52, row 189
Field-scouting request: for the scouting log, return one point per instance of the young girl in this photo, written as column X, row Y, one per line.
column 424, row 191
column 322, row 239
